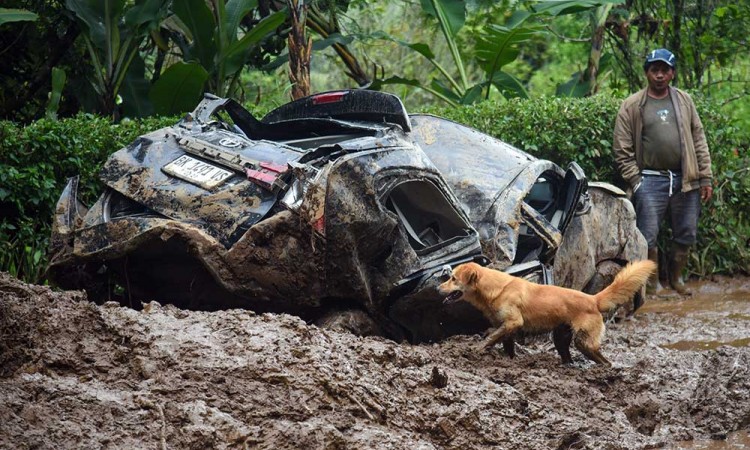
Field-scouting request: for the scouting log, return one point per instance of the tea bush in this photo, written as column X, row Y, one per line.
column 36, row 161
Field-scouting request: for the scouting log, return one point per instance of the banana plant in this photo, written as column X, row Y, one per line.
column 8, row 15
column 496, row 46
column 300, row 46
column 585, row 82
column 113, row 34
column 55, row 95
column 214, row 50
column 451, row 86
column 326, row 25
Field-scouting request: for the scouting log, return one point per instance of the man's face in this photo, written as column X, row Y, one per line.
column 659, row 75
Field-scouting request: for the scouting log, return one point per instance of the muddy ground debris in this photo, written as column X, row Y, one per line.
column 77, row 375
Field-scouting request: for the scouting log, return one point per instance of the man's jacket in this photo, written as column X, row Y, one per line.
column 628, row 148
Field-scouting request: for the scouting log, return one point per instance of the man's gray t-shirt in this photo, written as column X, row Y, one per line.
column 661, row 140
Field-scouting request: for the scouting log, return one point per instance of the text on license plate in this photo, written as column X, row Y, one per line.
column 198, row 172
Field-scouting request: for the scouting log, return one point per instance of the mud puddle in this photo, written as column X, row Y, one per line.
column 706, row 316
column 77, row 375
column 735, row 441
column 712, row 305
column 702, row 302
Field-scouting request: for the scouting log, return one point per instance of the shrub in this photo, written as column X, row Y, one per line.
column 35, row 163
column 724, row 230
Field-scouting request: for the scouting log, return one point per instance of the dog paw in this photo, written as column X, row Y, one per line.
column 483, row 347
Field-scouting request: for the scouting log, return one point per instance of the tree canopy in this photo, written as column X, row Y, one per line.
column 134, row 58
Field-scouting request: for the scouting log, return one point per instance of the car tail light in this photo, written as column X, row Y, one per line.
column 328, row 97
column 320, row 225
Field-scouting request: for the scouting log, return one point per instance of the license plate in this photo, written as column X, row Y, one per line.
column 197, row 172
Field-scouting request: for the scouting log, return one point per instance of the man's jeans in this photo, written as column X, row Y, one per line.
column 652, row 200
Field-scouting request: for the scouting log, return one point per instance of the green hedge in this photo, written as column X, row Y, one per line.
column 35, row 163
column 36, row 160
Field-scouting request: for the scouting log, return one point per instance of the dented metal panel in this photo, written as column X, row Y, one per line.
column 476, row 165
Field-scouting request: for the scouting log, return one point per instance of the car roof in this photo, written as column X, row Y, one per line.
column 467, row 157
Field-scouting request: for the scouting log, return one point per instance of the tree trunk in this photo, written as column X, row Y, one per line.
column 317, row 22
column 630, row 70
column 598, row 22
column 674, row 39
column 300, row 47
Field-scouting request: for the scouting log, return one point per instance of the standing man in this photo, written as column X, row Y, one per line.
column 661, row 151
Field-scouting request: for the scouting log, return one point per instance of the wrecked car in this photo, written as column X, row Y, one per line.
column 340, row 208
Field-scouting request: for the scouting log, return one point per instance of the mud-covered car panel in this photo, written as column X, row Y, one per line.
column 519, row 204
column 605, row 235
column 375, row 234
column 477, row 165
column 137, row 172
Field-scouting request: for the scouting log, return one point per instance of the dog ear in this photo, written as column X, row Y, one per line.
column 469, row 273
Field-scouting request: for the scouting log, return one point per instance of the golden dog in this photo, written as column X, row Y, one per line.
column 513, row 304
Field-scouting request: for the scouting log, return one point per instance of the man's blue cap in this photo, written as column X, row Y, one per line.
column 661, row 54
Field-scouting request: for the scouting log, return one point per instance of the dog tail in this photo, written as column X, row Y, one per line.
column 625, row 285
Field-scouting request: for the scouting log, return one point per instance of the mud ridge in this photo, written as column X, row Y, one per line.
column 77, row 375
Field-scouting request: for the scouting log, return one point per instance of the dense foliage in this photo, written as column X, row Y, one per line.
column 35, row 163
column 36, row 160
column 124, row 58
column 127, row 58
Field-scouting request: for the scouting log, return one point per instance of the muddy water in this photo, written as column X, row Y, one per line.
column 707, row 305
column 735, row 441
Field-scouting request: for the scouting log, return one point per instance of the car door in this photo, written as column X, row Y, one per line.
column 546, row 211
column 574, row 185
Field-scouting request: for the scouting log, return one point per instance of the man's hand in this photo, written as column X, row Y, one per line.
column 706, row 193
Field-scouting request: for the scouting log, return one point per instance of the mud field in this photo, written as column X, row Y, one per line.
column 77, row 375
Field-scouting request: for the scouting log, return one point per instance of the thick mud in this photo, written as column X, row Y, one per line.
column 77, row 375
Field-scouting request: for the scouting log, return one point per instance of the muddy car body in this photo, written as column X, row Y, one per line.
column 336, row 202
